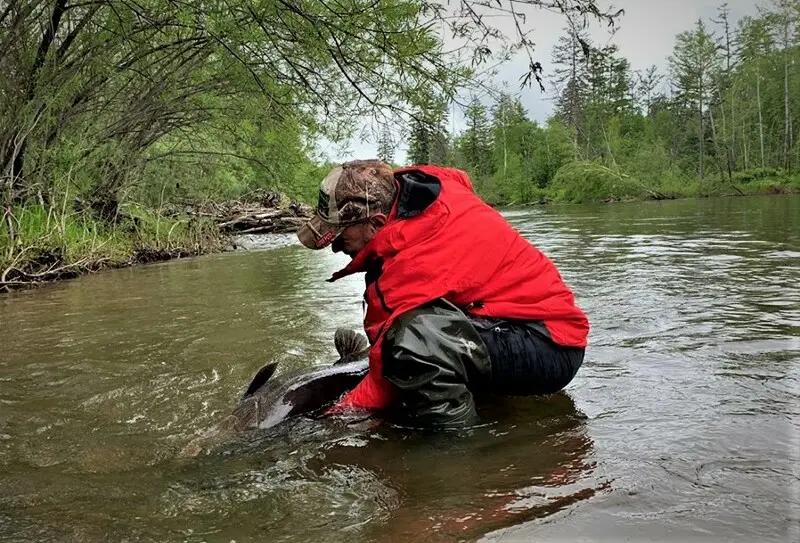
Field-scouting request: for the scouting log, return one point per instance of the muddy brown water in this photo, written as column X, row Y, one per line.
column 683, row 424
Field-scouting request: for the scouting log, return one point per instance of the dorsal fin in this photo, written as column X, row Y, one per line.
column 263, row 375
column 349, row 344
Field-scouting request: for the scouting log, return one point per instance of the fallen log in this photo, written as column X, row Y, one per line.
column 288, row 224
column 260, row 213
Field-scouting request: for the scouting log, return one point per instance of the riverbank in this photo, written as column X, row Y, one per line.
column 49, row 245
column 41, row 245
column 715, row 189
column 589, row 182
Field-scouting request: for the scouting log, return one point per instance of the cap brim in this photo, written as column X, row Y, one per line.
column 318, row 234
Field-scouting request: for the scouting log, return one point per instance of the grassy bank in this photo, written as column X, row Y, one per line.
column 591, row 182
column 39, row 245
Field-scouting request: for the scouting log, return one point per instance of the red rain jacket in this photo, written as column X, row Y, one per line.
column 442, row 241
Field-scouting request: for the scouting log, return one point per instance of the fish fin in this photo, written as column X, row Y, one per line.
column 263, row 375
column 349, row 344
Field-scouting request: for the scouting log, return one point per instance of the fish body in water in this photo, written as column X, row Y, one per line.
column 267, row 402
column 304, row 394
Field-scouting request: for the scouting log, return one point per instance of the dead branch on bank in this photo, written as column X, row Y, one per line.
column 260, row 213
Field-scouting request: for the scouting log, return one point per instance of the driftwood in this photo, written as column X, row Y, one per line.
column 260, row 213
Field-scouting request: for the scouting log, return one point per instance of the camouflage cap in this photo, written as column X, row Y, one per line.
column 351, row 193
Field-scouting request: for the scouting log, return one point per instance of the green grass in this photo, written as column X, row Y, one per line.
column 38, row 244
column 773, row 185
column 153, row 234
column 34, row 234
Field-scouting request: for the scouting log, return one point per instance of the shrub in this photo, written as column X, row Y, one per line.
column 753, row 174
column 592, row 182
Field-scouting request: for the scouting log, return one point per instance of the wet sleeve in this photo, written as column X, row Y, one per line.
column 372, row 392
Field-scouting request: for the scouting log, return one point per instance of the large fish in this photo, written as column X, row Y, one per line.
column 267, row 402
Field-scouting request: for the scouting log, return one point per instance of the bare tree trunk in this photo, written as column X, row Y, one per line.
column 787, row 125
column 760, row 119
column 702, row 130
column 725, row 146
column 733, row 158
column 608, row 147
column 505, row 144
column 744, row 148
column 549, row 156
column 716, row 145
column 730, row 149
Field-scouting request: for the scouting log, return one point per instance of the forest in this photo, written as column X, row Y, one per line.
column 118, row 117
column 720, row 121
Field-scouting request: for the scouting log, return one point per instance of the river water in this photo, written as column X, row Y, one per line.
column 683, row 424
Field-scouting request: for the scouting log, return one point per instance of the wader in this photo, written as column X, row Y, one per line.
column 440, row 360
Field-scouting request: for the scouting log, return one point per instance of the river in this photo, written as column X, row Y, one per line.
column 683, row 424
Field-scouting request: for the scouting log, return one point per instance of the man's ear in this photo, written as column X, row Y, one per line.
column 378, row 221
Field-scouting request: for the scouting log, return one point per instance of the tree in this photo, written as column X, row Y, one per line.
column 694, row 63
column 386, row 146
column 475, row 143
column 783, row 24
column 428, row 138
column 727, row 44
column 570, row 57
column 123, row 76
column 646, row 83
column 440, row 149
column 550, row 149
column 420, row 143
column 609, row 96
column 756, row 47
column 512, row 148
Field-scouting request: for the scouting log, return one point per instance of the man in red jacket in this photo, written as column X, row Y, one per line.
column 458, row 303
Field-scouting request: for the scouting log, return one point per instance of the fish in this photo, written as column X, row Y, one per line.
column 268, row 401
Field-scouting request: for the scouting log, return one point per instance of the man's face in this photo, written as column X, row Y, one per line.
column 356, row 236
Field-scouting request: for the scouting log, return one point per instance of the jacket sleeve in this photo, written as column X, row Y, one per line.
column 404, row 286
column 372, row 392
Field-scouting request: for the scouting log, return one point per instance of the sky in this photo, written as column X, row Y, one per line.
column 645, row 36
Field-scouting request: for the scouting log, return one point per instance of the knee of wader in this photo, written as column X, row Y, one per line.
column 434, row 357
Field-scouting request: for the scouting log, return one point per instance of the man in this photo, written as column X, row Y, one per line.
column 458, row 303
